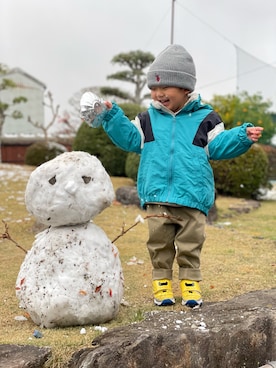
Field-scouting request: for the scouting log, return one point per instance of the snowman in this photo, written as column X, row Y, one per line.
column 72, row 275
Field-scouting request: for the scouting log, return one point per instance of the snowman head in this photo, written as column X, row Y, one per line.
column 68, row 190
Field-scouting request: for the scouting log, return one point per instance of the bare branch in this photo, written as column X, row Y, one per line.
column 6, row 235
column 123, row 231
column 53, row 109
column 35, row 123
column 65, row 119
column 54, row 112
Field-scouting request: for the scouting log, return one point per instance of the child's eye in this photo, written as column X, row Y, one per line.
column 53, row 180
column 86, row 179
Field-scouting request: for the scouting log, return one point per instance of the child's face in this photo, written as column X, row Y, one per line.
column 173, row 98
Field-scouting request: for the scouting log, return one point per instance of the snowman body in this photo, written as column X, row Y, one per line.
column 72, row 275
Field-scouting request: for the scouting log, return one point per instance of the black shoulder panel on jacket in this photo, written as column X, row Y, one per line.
column 146, row 126
column 207, row 124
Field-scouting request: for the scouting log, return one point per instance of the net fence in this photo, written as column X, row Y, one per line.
column 255, row 76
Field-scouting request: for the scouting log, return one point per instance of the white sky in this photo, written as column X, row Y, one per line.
column 69, row 44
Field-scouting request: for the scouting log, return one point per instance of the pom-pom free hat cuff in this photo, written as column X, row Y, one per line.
column 167, row 78
column 173, row 67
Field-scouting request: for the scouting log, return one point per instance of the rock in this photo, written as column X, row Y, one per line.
column 23, row 356
column 231, row 334
column 127, row 195
column 245, row 206
column 213, row 214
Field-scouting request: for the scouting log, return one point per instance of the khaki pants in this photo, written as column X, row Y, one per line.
column 180, row 234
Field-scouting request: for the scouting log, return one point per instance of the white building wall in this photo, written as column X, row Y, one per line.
column 33, row 90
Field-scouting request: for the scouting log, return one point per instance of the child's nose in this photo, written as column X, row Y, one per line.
column 160, row 92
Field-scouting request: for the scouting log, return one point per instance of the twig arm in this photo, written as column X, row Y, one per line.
column 6, row 235
column 124, row 231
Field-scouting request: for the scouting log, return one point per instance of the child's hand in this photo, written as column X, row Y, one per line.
column 254, row 133
column 108, row 104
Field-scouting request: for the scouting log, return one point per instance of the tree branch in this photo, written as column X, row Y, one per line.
column 54, row 112
column 6, row 235
column 141, row 219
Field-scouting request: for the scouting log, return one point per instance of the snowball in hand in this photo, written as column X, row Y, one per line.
column 92, row 109
column 70, row 189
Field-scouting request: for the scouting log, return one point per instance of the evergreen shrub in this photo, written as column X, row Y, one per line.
column 97, row 143
column 131, row 110
column 41, row 152
column 271, row 154
column 132, row 164
column 243, row 175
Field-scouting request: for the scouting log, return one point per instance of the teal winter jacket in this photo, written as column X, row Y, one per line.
column 175, row 150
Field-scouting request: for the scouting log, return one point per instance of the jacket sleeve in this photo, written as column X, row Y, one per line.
column 124, row 133
column 230, row 143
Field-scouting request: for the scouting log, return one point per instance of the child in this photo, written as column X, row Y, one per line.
column 175, row 180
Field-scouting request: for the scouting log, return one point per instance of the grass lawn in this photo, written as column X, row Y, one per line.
column 239, row 256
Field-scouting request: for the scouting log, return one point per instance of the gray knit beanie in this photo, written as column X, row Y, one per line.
column 173, row 67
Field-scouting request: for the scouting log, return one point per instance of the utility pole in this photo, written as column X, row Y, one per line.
column 172, row 22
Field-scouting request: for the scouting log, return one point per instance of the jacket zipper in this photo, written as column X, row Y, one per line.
column 172, row 148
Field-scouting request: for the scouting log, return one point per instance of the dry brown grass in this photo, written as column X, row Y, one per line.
column 237, row 258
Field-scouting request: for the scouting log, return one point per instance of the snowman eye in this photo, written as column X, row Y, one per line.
column 53, row 180
column 86, row 179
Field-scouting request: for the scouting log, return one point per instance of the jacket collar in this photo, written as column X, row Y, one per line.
column 194, row 103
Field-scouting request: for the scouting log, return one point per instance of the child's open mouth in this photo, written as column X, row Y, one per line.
column 165, row 102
